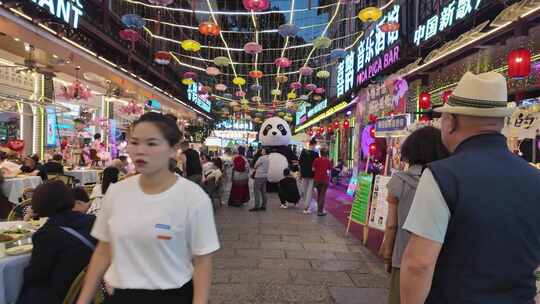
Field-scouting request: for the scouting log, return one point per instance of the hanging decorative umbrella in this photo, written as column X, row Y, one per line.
column 322, row 42
column 256, row 74
column 281, row 114
column 281, row 78
column 370, row 14
column 304, row 97
column 163, row 58
column 244, row 101
column 291, row 95
column 233, row 104
column 222, row 61
column 212, row 71
column 269, row 114
column 310, row 86
column 190, row 45
column 227, row 95
column 276, row 92
column 296, row 85
column 220, row 87
column 289, row 29
column 129, row 35
column 191, row 75
column 240, row 94
column 283, row 62
column 239, row 81
column 338, row 54
column 187, row 81
column 288, row 118
column 389, row 27
column 256, row 87
column 317, row 97
column 256, row 99
column 133, row 21
column 208, row 28
column 257, row 120
column 161, row 2
column 319, row 91
column 252, row 48
column 219, row 103
column 323, row 74
column 256, row 5
column 306, row 71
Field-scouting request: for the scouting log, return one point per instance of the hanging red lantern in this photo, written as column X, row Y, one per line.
column 330, row 129
column 372, row 118
column 424, row 100
column 519, row 63
column 445, row 95
column 321, row 130
column 373, row 149
column 336, row 124
column 310, row 133
column 346, row 124
column 424, row 118
column 208, row 28
column 372, row 132
column 162, row 57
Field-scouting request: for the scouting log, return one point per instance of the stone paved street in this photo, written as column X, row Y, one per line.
column 283, row 256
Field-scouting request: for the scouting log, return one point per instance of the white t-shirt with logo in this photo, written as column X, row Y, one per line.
column 155, row 237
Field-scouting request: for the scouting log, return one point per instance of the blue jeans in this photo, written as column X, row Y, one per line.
column 259, row 191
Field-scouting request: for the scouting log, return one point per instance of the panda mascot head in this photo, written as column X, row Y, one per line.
column 275, row 132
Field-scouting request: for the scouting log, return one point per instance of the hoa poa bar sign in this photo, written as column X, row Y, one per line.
column 455, row 11
column 374, row 53
column 68, row 10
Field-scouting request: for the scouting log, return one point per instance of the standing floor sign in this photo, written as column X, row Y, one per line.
column 379, row 205
column 360, row 205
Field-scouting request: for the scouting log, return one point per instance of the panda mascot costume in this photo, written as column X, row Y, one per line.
column 275, row 136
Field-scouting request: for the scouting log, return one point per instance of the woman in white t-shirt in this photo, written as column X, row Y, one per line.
column 156, row 230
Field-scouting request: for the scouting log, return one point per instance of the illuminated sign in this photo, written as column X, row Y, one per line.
column 235, row 124
column 450, row 14
column 369, row 58
column 333, row 110
column 316, row 109
column 392, row 125
column 301, row 114
column 68, row 10
column 200, row 100
column 51, row 127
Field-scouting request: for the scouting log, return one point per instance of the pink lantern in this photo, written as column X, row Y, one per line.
column 240, row 94
column 190, row 75
column 212, row 71
column 310, row 86
column 306, row 71
column 220, row 87
column 256, row 99
column 319, row 90
column 252, row 48
column 296, row 85
column 256, row 5
column 283, row 62
column 129, row 35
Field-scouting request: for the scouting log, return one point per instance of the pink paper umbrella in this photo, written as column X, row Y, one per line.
column 306, row 71
column 319, row 90
column 220, row 87
column 240, row 94
column 252, row 48
column 256, row 5
column 191, row 75
column 212, row 71
column 283, row 62
column 296, row 85
column 310, row 86
column 129, row 35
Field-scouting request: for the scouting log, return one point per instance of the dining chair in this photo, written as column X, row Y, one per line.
column 27, row 193
column 17, row 213
column 75, row 289
column 68, row 180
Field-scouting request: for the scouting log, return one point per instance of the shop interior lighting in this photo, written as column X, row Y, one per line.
column 17, row 39
column 55, row 56
column 210, row 12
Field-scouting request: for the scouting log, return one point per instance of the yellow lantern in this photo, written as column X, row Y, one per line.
column 244, row 101
column 370, row 14
column 239, row 81
column 187, row 81
column 245, row 107
column 190, row 45
column 291, row 95
column 281, row 78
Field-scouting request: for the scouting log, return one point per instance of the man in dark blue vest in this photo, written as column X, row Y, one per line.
column 475, row 219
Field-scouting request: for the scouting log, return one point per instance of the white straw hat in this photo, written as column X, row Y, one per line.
column 483, row 95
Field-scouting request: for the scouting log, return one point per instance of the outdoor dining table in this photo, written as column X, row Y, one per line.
column 85, row 176
column 14, row 187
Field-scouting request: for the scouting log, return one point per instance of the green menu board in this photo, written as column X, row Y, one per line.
column 360, row 204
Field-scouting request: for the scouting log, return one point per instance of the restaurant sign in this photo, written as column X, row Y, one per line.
column 453, row 12
column 302, row 114
column 392, row 125
column 69, row 11
column 374, row 53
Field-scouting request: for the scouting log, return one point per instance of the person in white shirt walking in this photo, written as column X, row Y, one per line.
column 156, row 230
column 259, row 183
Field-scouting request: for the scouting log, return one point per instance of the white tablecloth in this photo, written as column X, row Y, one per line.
column 85, row 176
column 11, row 277
column 14, row 187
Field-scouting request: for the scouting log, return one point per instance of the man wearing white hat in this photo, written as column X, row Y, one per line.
column 475, row 219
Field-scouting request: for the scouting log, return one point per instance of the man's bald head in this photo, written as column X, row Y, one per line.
column 457, row 128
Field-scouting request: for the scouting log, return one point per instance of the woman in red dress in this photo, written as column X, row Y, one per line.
column 240, row 179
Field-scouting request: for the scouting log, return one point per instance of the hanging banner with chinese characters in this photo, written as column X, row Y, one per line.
column 449, row 15
column 374, row 53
